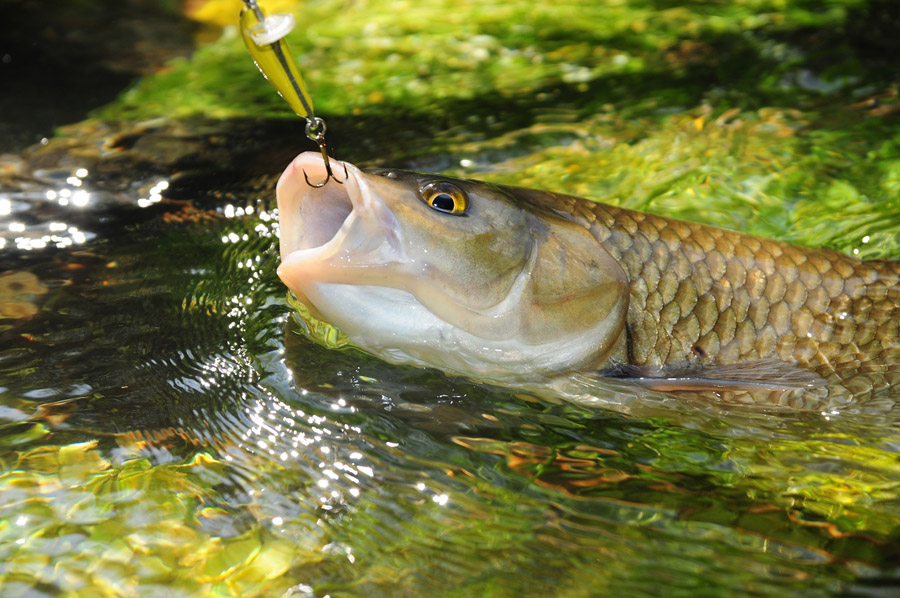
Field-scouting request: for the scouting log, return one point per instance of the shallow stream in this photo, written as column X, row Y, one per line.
column 165, row 430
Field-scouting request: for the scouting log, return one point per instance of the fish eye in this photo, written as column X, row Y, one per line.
column 445, row 197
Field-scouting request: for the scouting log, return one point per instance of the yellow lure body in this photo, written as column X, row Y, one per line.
column 264, row 38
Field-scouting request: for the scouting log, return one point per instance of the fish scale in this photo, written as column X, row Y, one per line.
column 702, row 295
column 536, row 287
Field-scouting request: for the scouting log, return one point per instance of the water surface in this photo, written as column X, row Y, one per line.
column 165, row 430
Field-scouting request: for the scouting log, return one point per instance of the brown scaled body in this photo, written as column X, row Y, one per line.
column 706, row 296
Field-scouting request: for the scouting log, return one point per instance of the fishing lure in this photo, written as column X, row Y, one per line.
column 264, row 37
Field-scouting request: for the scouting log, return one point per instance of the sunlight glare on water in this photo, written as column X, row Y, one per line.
column 166, row 429
column 243, row 460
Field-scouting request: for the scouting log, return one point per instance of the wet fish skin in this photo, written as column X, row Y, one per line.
column 533, row 288
column 704, row 295
column 501, row 293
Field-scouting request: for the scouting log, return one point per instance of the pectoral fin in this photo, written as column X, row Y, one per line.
column 759, row 375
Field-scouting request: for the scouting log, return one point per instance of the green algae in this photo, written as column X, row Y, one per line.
column 763, row 115
column 770, row 172
column 771, row 116
column 317, row 330
column 78, row 522
column 413, row 56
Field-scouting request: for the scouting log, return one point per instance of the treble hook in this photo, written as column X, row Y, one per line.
column 265, row 40
column 315, row 131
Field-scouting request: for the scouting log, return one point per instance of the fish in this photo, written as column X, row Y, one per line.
column 514, row 286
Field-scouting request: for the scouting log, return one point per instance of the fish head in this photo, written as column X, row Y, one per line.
column 454, row 274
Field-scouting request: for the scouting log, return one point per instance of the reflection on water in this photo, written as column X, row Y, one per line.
column 25, row 228
column 166, row 430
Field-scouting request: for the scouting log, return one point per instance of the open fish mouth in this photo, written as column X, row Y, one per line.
column 329, row 231
column 499, row 295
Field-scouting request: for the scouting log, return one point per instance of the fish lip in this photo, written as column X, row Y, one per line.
column 366, row 221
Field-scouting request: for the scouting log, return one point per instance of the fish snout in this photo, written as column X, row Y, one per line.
column 330, row 231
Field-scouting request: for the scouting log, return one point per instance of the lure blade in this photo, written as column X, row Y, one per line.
column 264, row 38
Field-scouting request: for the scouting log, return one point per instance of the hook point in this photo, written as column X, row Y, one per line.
column 329, row 174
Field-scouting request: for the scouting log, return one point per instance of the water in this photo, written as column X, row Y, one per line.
column 55, row 66
column 164, row 429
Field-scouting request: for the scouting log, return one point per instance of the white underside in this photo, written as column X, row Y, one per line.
column 341, row 242
column 393, row 325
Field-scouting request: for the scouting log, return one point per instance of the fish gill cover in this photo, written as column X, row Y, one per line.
column 165, row 431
